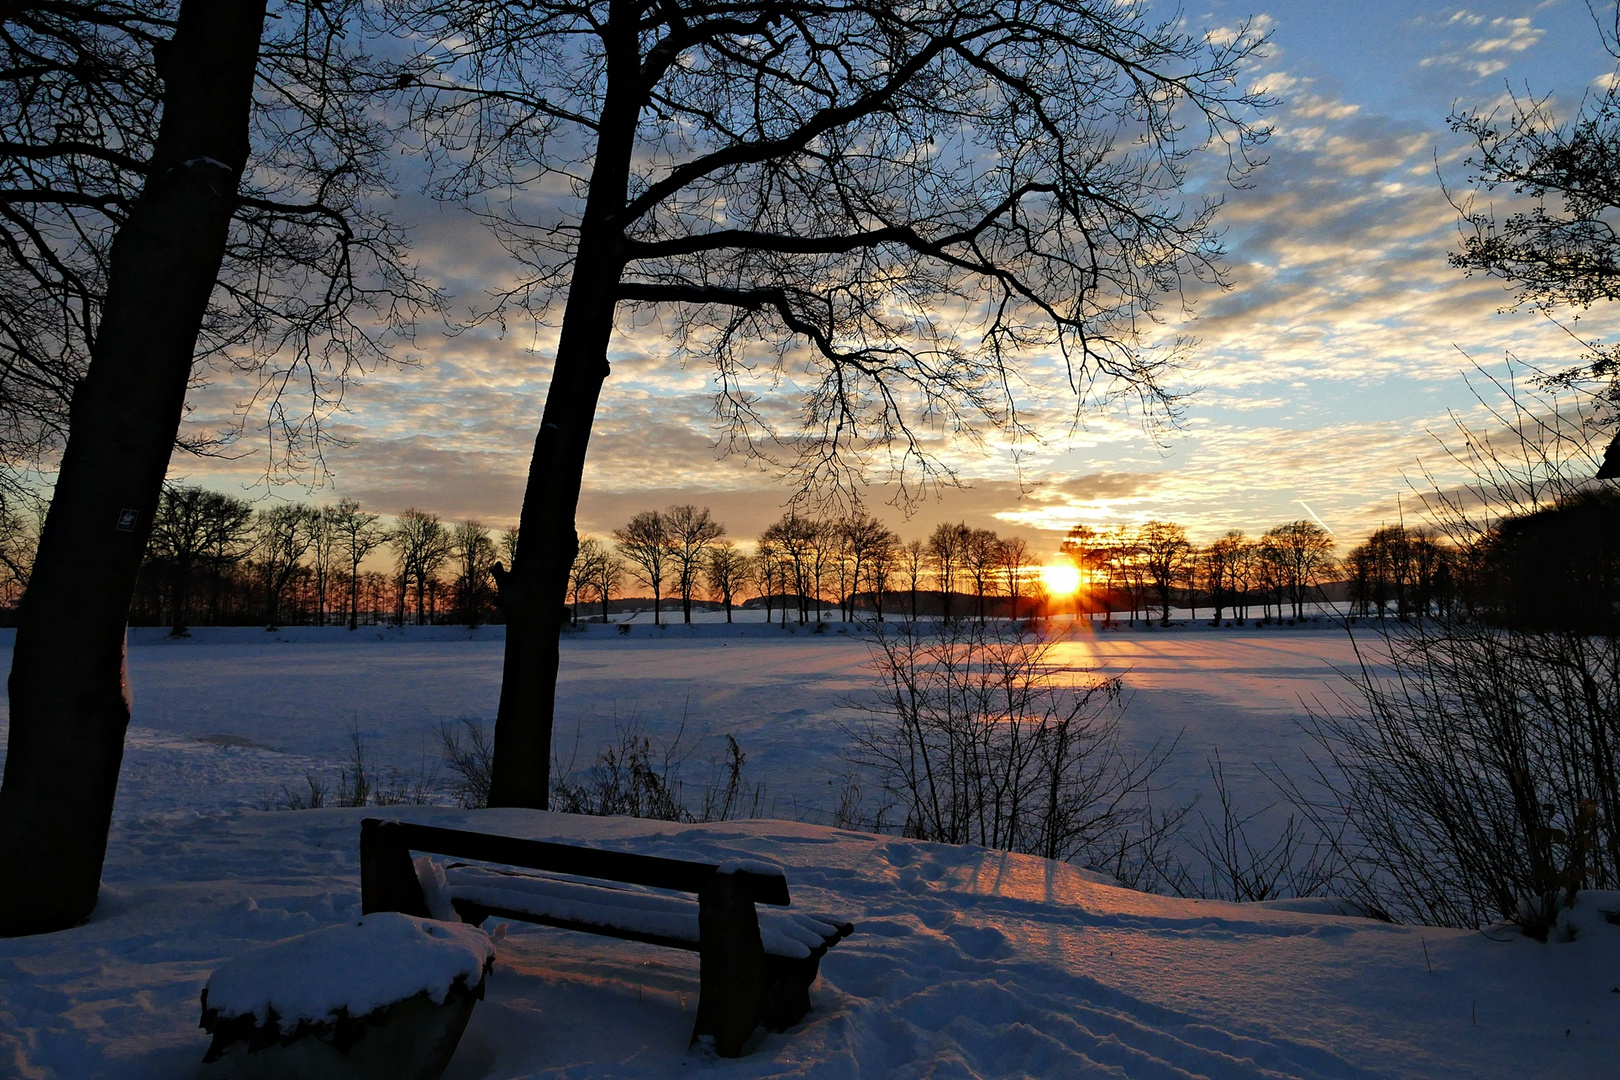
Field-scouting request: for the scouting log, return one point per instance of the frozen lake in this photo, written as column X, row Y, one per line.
column 227, row 717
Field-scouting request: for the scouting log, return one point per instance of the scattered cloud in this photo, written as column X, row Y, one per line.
column 1486, row 55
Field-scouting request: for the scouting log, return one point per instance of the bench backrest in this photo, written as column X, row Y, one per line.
column 387, row 879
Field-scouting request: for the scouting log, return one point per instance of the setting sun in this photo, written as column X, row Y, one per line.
column 1062, row 579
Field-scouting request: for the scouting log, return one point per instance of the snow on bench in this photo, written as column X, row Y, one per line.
column 672, row 920
column 756, row 966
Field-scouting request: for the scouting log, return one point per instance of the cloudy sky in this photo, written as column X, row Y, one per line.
column 1320, row 379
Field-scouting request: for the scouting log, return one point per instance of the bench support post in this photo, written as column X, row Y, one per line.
column 731, row 990
column 787, row 990
column 387, row 875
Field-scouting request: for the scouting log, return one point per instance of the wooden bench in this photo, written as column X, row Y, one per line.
column 752, row 972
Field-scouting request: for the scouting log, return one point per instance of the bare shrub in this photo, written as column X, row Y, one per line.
column 1297, row 861
column 1478, row 783
column 976, row 739
column 310, row 797
column 637, row 776
column 359, row 784
column 847, row 814
column 1473, row 777
column 471, row 763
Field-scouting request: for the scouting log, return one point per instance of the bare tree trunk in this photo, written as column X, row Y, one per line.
column 180, row 598
column 534, row 594
column 69, row 699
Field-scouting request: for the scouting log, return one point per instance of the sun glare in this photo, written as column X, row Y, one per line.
column 1061, row 579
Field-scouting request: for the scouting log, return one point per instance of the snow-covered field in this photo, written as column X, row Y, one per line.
column 965, row 963
column 227, row 717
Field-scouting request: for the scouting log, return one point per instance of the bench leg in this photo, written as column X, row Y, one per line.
column 731, row 987
column 787, row 989
column 387, row 876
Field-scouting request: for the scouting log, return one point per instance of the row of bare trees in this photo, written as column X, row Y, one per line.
column 1136, row 569
column 302, row 564
column 215, row 558
column 803, row 565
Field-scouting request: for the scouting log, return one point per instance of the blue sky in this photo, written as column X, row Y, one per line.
column 1318, row 381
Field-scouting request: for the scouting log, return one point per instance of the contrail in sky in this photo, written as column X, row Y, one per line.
column 1319, row 521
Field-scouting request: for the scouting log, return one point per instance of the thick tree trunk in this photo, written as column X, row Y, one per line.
column 69, row 699
column 534, row 594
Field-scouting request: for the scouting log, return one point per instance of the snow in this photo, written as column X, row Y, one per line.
column 749, row 866
column 964, row 962
column 435, row 888
column 351, row 968
column 784, row 932
column 641, row 910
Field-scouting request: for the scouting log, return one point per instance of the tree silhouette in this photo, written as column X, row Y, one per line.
column 1561, row 251
column 191, row 525
column 359, row 534
column 283, row 535
column 645, row 541
column 792, row 541
column 895, row 203
column 727, row 571
column 980, row 560
column 160, row 201
column 883, row 559
column 1014, row 563
column 421, row 546
column 473, row 550
column 691, row 533
column 946, row 548
column 1303, row 552
column 1164, row 554
column 585, row 572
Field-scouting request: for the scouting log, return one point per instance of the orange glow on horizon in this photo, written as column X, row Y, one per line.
column 1062, row 579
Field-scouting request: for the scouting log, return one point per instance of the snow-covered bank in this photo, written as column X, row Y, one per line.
column 965, row 963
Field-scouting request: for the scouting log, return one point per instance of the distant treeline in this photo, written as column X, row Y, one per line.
column 218, row 559
column 802, row 566
column 1558, row 567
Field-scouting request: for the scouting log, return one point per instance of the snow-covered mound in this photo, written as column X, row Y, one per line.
column 352, row 968
column 965, row 963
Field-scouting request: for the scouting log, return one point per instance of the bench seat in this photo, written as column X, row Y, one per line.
column 625, row 911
